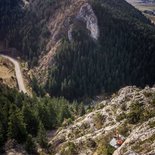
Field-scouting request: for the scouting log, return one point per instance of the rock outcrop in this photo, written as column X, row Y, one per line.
column 61, row 24
column 87, row 15
column 94, row 131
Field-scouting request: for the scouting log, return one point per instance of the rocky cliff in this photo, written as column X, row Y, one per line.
column 130, row 111
column 75, row 48
column 62, row 22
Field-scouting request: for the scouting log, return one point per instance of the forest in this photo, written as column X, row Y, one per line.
column 24, row 29
column 10, row 13
column 26, row 119
column 123, row 55
column 82, row 68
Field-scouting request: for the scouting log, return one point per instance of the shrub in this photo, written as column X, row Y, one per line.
column 104, row 148
column 30, row 145
column 147, row 94
column 99, row 119
column 124, row 107
column 69, row 149
column 124, row 129
column 152, row 124
column 67, row 122
column 91, row 143
column 136, row 110
column 153, row 100
column 139, row 113
column 121, row 117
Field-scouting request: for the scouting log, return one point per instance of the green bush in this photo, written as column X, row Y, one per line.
column 124, row 129
column 30, row 145
column 135, row 114
column 152, row 124
column 91, row 143
column 121, row 116
column 147, row 94
column 139, row 113
column 104, row 148
column 69, row 149
column 99, row 120
column 21, row 116
column 153, row 100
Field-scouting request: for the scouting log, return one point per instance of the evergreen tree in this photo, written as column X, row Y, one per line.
column 64, row 113
column 30, row 145
column 43, row 115
column 16, row 125
column 31, row 119
column 18, row 120
column 2, row 139
column 81, row 110
column 42, row 138
column 85, row 67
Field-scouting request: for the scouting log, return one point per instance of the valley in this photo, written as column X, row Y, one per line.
column 147, row 7
column 77, row 77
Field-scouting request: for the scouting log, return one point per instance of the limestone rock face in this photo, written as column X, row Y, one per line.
column 87, row 14
column 142, row 134
column 62, row 22
column 92, row 133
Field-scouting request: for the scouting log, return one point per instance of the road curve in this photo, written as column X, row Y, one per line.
column 18, row 72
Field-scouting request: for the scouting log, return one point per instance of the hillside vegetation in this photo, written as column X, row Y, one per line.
column 25, row 120
column 130, row 112
column 123, row 54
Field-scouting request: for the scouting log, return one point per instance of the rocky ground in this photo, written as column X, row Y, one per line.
column 130, row 111
column 7, row 74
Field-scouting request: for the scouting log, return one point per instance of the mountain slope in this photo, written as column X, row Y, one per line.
column 122, row 55
column 84, row 47
column 24, row 120
column 130, row 111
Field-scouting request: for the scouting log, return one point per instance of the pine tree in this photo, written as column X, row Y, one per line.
column 42, row 138
column 64, row 113
column 30, row 145
column 31, row 119
column 81, row 109
column 16, row 125
column 1, row 135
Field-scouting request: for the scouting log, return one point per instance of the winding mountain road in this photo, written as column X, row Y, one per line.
column 18, row 72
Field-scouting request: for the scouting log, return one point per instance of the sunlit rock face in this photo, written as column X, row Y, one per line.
column 70, row 34
column 139, row 137
column 87, row 14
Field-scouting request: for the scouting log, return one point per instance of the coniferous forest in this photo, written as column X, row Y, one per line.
column 26, row 119
column 123, row 55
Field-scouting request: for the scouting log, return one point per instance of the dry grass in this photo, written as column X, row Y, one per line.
column 7, row 74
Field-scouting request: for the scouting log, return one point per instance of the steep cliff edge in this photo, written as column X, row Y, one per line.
column 61, row 24
column 75, row 48
column 130, row 112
